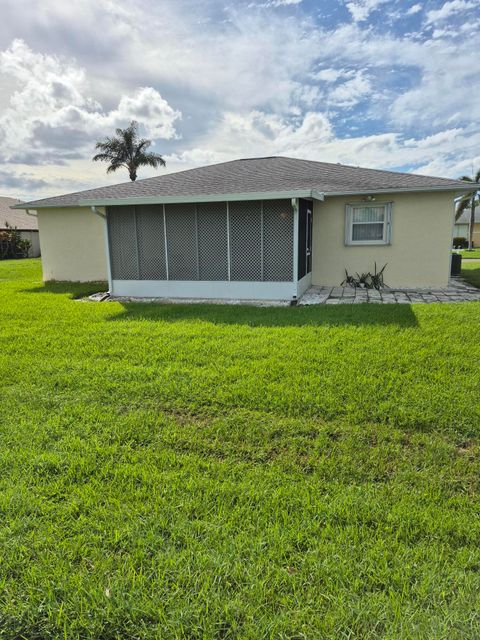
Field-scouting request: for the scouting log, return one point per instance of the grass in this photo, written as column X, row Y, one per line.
column 471, row 273
column 214, row 472
column 474, row 254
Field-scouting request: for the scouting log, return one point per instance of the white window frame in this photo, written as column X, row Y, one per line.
column 387, row 223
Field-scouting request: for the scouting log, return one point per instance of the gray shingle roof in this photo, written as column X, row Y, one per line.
column 258, row 175
column 15, row 218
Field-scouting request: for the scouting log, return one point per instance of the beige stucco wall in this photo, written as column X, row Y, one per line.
column 421, row 238
column 476, row 234
column 72, row 244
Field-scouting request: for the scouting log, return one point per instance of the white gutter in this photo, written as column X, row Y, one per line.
column 318, row 195
column 356, row 192
column 218, row 197
column 100, row 214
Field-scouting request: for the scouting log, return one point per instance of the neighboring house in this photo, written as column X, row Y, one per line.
column 260, row 228
column 462, row 227
column 27, row 225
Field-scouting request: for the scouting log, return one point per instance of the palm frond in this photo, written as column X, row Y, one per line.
column 476, row 178
column 464, row 204
column 151, row 159
column 143, row 144
column 102, row 157
column 114, row 166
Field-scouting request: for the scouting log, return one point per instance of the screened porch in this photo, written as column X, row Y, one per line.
column 250, row 249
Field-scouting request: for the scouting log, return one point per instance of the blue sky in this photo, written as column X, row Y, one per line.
column 379, row 83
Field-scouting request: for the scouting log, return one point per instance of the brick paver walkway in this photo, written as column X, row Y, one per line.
column 457, row 291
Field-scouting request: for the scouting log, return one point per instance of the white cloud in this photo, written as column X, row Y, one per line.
column 312, row 137
column 442, row 96
column 328, row 75
column 276, row 3
column 416, row 8
column 350, row 92
column 253, row 59
column 256, row 134
column 361, row 9
column 449, row 9
column 51, row 107
column 148, row 107
column 438, row 98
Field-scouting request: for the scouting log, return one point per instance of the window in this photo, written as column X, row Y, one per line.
column 368, row 223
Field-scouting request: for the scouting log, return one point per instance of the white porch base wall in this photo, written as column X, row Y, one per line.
column 204, row 289
column 304, row 284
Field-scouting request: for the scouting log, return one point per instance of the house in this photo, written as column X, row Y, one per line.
column 259, row 228
column 462, row 227
column 26, row 225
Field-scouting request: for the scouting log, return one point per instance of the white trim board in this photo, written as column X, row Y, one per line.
column 304, row 284
column 202, row 289
column 216, row 197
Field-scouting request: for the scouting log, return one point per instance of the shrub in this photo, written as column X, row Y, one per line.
column 460, row 243
column 12, row 245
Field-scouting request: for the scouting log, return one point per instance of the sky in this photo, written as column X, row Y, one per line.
column 391, row 84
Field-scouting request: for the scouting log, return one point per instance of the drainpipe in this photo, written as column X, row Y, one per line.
column 98, row 213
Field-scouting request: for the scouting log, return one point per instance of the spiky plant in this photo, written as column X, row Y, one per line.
column 469, row 200
column 127, row 150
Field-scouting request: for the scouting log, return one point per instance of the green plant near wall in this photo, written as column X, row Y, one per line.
column 12, row 245
column 367, row 280
column 460, row 243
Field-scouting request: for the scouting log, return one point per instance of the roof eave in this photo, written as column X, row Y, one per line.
column 31, row 205
column 232, row 197
column 218, row 197
column 357, row 192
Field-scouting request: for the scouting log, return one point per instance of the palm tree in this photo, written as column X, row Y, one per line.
column 469, row 200
column 127, row 150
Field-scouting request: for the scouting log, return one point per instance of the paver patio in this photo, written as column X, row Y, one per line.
column 458, row 291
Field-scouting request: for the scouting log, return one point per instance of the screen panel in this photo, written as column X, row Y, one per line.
column 245, row 241
column 151, row 242
column 277, row 240
column 212, row 241
column 181, row 241
column 123, row 243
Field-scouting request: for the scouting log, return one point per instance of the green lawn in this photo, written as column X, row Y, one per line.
column 216, row 472
column 471, row 273
column 469, row 255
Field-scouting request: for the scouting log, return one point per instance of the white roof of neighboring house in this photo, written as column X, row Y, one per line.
column 15, row 217
column 465, row 217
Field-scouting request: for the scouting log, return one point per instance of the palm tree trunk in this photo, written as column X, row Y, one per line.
column 472, row 224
